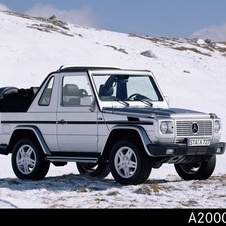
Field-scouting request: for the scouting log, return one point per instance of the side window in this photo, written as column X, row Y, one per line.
column 74, row 87
column 46, row 95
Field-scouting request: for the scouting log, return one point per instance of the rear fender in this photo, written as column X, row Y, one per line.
column 35, row 131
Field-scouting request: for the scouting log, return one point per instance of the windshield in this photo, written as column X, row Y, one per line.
column 126, row 87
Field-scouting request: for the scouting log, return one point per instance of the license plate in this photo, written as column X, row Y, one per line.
column 198, row 142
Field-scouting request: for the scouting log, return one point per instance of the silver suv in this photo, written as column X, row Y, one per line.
column 107, row 120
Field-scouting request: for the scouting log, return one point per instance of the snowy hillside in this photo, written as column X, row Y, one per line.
column 33, row 47
column 191, row 72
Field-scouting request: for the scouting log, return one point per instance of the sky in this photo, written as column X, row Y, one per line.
column 156, row 18
column 193, row 79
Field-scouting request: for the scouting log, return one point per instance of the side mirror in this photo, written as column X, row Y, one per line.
column 86, row 100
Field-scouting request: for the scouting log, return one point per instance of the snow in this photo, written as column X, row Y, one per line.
column 190, row 72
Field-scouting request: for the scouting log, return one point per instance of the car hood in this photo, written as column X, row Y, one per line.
column 157, row 112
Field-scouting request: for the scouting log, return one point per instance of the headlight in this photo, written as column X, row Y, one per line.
column 217, row 126
column 166, row 127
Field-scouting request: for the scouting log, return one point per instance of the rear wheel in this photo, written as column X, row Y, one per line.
column 128, row 163
column 28, row 160
column 100, row 170
column 196, row 171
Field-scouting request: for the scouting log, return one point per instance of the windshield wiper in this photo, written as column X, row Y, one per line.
column 142, row 98
column 147, row 101
column 122, row 102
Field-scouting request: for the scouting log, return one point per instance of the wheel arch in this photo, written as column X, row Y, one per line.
column 29, row 132
column 136, row 133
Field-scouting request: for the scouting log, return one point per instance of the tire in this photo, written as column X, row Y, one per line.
column 93, row 170
column 128, row 163
column 28, row 160
column 196, row 171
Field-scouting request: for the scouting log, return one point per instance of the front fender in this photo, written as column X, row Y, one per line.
column 120, row 131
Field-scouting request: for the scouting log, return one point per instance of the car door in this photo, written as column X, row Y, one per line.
column 76, row 124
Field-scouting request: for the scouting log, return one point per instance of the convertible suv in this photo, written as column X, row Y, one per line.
column 106, row 120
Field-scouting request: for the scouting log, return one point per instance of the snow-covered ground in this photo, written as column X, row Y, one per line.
column 191, row 72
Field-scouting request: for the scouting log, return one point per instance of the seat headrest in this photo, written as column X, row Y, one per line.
column 71, row 90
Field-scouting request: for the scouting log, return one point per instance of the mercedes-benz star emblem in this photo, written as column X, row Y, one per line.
column 194, row 127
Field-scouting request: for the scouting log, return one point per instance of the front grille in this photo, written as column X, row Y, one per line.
column 184, row 128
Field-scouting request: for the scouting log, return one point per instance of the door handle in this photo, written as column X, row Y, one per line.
column 62, row 121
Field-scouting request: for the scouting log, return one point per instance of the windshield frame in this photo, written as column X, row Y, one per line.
column 116, row 100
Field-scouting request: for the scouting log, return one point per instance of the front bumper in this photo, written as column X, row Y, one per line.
column 161, row 150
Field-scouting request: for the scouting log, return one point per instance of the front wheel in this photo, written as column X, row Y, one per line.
column 196, row 171
column 128, row 163
column 28, row 161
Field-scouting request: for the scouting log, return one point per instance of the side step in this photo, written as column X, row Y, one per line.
column 72, row 159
